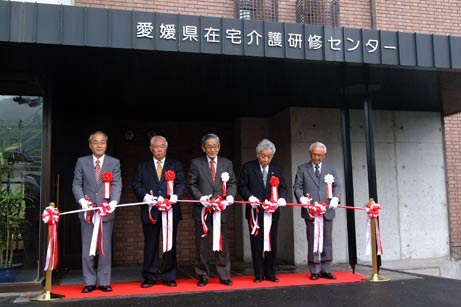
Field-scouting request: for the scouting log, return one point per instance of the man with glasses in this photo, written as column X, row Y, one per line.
column 209, row 178
column 88, row 189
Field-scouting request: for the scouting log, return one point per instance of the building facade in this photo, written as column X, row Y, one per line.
column 247, row 97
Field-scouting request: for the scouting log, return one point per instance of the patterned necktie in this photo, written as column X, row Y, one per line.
column 159, row 170
column 213, row 171
column 97, row 170
column 265, row 176
column 317, row 172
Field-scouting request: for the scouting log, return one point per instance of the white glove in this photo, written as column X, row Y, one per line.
column 225, row 203
column 305, row 201
column 85, row 204
column 112, row 205
column 253, row 200
column 150, row 199
column 230, row 199
column 281, row 202
column 334, row 202
column 173, row 198
column 204, row 200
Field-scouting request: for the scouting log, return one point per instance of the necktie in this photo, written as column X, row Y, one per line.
column 97, row 170
column 265, row 176
column 213, row 171
column 317, row 172
column 159, row 170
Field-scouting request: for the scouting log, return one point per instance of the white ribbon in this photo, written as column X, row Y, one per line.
column 368, row 238
column 254, row 218
column 94, row 237
column 167, row 230
column 217, row 246
column 318, row 234
column 267, row 231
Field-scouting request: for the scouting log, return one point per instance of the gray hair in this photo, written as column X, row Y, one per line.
column 97, row 132
column 265, row 144
column 210, row 136
column 318, row 144
column 158, row 137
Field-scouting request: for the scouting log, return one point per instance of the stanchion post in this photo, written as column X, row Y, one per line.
column 374, row 257
column 47, row 295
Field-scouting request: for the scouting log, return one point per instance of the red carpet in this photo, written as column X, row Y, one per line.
column 190, row 285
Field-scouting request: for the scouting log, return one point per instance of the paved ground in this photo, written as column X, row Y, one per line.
column 401, row 290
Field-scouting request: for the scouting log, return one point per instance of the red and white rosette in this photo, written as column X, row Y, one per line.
column 107, row 179
column 269, row 208
column 169, row 177
column 50, row 216
column 316, row 211
column 164, row 205
column 373, row 209
column 224, row 180
column 329, row 179
column 218, row 204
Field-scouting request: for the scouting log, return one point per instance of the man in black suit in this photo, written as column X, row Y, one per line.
column 150, row 185
column 315, row 178
column 254, row 185
column 208, row 176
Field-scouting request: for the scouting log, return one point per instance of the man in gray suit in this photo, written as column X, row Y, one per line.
column 314, row 178
column 207, row 176
column 88, row 189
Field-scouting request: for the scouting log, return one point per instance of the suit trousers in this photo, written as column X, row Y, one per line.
column 150, row 267
column 102, row 274
column 264, row 262
column 319, row 262
column 202, row 251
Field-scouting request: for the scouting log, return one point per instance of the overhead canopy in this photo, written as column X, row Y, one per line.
column 249, row 67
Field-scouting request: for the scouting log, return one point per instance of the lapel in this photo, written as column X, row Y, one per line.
column 259, row 174
column 310, row 171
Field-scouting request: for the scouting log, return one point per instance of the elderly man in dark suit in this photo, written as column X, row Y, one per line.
column 321, row 182
column 254, row 185
column 208, row 177
column 88, row 189
column 150, row 185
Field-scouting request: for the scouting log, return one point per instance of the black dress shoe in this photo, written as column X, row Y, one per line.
column 169, row 283
column 258, row 279
column 105, row 288
column 88, row 289
column 314, row 276
column 327, row 275
column 227, row 282
column 272, row 278
column 147, row 283
column 202, row 281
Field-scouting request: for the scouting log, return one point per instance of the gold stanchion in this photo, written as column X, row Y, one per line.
column 47, row 295
column 374, row 258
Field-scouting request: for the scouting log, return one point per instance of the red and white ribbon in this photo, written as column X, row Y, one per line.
column 88, row 214
column 107, row 179
column 316, row 211
column 169, row 177
column 97, row 236
column 373, row 209
column 329, row 179
column 269, row 208
column 218, row 205
column 164, row 205
column 50, row 216
column 204, row 216
column 224, row 180
column 254, row 224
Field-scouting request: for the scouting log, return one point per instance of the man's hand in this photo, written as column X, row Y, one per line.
column 112, row 205
column 150, row 199
column 230, row 199
column 254, row 201
column 305, row 201
column 85, row 204
column 204, row 200
column 281, row 202
column 334, row 202
column 173, row 198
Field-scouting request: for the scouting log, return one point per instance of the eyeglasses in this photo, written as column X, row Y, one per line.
column 158, row 146
column 211, row 146
column 96, row 143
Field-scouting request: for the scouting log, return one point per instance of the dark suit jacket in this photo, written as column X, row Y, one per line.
column 251, row 183
column 307, row 182
column 200, row 183
column 145, row 180
column 84, row 182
